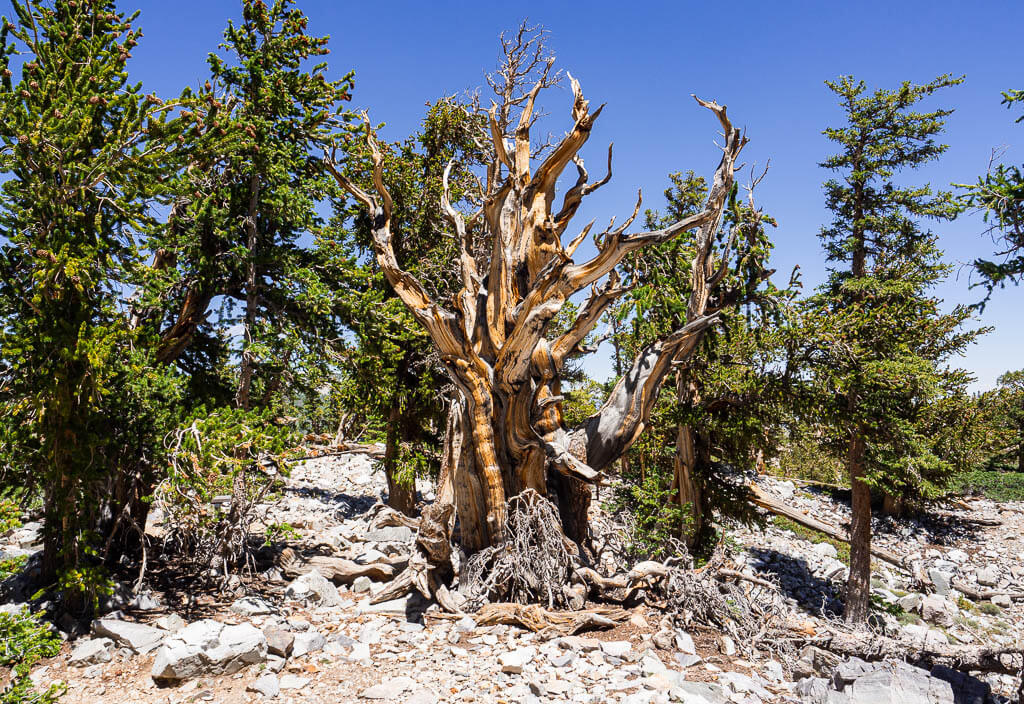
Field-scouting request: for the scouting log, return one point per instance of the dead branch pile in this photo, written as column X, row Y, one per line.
column 532, row 565
column 751, row 610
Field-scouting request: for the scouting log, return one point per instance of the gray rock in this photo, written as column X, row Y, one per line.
column 900, row 685
column 728, row 646
column 957, row 555
column 251, row 606
column 91, row 652
column 144, row 602
column 170, row 622
column 785, row 490
column 279, row 640
column 817, row 690
column 293, row 682
column 911, row 603
column 988, row 576
column 942, row 581
column 825, row 550
column 685, row 660
column 238, row 646
column 178, row 661
column 361, row 584
column 848, row 671
column 140, row 638
column 268, row 685
column 938, row 610
column 311, row 641
column 466, row 624
column 698, row 693
column 738, row 682
column 514, row 661
column 203, row 634
column 561, row 659
column 616, row 648
column 275, row 663
column 684, row 642
column 314, row 587
column 650, row 664
column 391, row 689
column 1003, row 601
column 390, row 534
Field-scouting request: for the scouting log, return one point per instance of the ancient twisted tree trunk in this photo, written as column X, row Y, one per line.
column 495, row 339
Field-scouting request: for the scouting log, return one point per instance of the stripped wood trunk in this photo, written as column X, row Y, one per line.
column 507, row 433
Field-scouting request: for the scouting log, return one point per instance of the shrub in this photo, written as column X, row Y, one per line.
column 222, row 466
column 23, row 642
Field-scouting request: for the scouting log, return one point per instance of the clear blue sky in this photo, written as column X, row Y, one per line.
column 766, row 60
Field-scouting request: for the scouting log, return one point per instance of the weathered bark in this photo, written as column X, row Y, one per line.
column 926, row 654
column 684, row 465
column 858, row 586
column 336, row 569
column 516, row 275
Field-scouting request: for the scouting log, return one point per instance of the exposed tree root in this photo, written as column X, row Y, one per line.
column 534, row 563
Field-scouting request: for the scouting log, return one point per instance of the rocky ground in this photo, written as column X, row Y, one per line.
column 306, row 640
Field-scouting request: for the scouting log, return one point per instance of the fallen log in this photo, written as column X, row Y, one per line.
column 770, row 503
column 931, row 652
column 337, row 569
column 549, row 623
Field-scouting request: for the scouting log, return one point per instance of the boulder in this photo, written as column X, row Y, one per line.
column 314, row 587
column 911, row 603
column 938, row 610
column 139, row 637
column 178, row 661
column 91, row 652
column 202, row 634
column 988, row 576
column 311, row 641
column 170, row 622
column 966, row 689
column 279, row 640
column 267, row 685
column 941, row 580
column 900, row 685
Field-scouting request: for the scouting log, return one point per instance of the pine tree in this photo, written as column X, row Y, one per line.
column 244, row 227
column 999, row 195
column 83, row 155
column 882, row 338
column 392, row 367
column 720, row 418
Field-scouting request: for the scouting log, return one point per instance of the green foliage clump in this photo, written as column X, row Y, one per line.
column 655, row 520
column 993, row 484
column 222, row 465
column 23, row 642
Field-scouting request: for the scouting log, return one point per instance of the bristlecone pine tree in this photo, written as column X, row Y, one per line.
column 516, row 273
column 883, row 340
